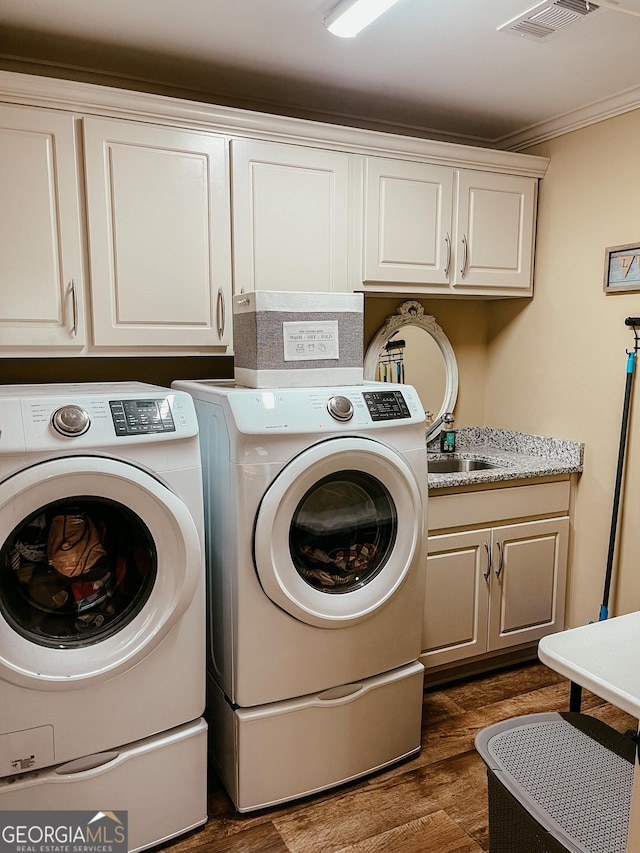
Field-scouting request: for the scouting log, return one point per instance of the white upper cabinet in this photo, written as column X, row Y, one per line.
column 41, row 267
column 439, row 230
column 290, row 217
column 127, row 220
column 159, row 235
column 407, row 222
column 495, row 226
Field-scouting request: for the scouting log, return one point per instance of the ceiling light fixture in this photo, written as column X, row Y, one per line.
column 349, row 17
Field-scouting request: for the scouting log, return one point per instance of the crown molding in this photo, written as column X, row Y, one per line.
column 598, row 111
column 92, row 99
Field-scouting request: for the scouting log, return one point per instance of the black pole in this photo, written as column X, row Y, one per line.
column 604, row 608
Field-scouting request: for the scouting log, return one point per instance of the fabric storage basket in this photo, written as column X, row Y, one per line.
column 557, row 782
column 284, row 339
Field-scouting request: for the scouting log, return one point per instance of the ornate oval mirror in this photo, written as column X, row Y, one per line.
column 411, row 347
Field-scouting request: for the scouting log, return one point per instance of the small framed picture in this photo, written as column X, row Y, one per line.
column 622, row 268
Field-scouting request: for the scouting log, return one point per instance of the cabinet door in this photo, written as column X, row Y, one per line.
column 457, row 597
column 41, row 271
column 407, row 222
column 495, row 233
column 528, row 581
column 290, row 217
column 159, row 235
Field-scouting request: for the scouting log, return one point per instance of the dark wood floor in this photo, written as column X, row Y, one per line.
column 434, row 803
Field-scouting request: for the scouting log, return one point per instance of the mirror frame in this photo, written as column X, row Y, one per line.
column 411, row 313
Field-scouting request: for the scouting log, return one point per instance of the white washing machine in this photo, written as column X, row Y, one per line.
column 102, row 649
column 315, row 503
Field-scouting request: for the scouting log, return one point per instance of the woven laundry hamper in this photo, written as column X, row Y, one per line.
column 284, row 339
column 557, row 782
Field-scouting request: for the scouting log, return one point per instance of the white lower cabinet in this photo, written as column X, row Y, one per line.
column 494, row 588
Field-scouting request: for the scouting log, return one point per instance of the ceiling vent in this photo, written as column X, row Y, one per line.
column 547, row 19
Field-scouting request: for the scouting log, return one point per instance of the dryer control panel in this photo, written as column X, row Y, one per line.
column 386, row 405
column 335, row 409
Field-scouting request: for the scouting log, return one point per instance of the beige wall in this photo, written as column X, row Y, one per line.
column 557, row 364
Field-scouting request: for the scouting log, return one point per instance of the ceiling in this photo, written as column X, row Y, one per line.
column 435, row 68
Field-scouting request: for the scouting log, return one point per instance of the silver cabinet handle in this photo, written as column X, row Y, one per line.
column 74, row 306
column 465, row 256
column 500, row 559
column 220, row 313
column 487, row 574
column 447, row 266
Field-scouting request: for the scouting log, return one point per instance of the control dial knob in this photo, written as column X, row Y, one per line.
column 340, row 408
column 70, row 420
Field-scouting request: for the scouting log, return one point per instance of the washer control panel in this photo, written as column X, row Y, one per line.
column 135, row 417
column 386, row 405
column 41, row 418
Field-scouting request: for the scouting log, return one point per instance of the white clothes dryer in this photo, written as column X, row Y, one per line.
column 315, row 503
column 102, row 650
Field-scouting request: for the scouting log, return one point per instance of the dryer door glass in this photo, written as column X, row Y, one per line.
column 343, row 531
column 327, row 545
column 75, row 572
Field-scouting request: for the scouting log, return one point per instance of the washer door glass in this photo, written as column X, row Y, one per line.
column 338, row 531
column 99, row 561
column 76, row 571
column 343, row 531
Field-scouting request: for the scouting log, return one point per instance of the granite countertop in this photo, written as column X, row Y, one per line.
column 523, row 456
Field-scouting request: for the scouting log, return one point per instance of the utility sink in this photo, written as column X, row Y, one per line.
column 458, row 466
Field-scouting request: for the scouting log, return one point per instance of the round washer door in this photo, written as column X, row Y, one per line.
column 337, row 531
column 38, row 645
